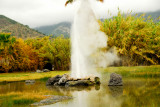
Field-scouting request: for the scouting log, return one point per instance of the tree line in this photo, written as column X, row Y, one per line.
column 136, row 39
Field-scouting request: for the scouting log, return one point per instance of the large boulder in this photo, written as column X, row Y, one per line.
column 115, row 80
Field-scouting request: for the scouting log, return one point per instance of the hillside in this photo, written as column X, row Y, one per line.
column 56, row 29
column 16, row 29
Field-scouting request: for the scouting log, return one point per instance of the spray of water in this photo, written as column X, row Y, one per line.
column 87, row 39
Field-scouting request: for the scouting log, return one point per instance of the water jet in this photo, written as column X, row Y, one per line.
column 87, row 40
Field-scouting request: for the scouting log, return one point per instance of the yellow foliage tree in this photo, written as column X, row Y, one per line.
column 137, row 39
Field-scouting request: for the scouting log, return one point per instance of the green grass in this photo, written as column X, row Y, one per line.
column 15, row 101
column 25, row 76
column 44, row 79
column 23, row 101
column 135, row 71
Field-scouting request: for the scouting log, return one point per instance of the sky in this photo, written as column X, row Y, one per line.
column 37, row 13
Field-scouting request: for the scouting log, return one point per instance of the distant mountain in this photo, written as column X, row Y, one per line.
column 154, row 15
column 62, row 28
column 16, row 29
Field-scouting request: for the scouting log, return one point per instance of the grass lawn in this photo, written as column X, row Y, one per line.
column 26, row 76
column 135, row 71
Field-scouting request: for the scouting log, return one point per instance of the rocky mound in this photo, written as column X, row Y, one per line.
column 66, row 80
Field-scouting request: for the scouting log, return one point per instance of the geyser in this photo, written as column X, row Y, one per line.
column 86, row 39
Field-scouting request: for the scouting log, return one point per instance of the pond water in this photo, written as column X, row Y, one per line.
column 135, row 92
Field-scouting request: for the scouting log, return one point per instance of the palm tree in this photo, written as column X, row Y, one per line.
column 70, row 1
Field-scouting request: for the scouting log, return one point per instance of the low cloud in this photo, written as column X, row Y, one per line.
column 46, row 12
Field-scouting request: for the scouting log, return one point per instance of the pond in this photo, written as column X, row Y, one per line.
column 135, row 92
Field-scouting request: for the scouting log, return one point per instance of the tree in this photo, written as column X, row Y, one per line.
column 137, row 39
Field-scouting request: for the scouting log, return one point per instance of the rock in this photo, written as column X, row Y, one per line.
column 39, row 71
column 51, row 100
column 115, row 80
column 46, row 70
column 52, row 81
column 30, row 81
column 63, row 80
column 97, row 80
column 71, row 79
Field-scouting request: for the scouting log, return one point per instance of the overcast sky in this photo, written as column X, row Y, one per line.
column 47, row 12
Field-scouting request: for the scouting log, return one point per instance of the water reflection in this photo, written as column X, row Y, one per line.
column 116, row 91
column 135, row 92
column 11, row 87
column 92, row 98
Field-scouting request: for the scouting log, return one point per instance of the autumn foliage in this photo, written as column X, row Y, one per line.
column 32, row 54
